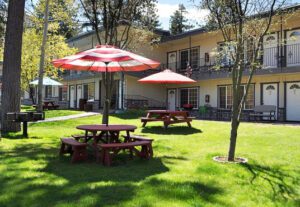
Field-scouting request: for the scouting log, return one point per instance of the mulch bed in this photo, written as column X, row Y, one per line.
column 224, row 159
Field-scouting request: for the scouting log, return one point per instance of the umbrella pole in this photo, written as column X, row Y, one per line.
column 106, row 111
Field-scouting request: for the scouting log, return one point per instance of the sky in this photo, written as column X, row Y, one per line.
column 166, row 9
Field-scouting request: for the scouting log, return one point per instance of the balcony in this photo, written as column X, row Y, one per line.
column 271, row 62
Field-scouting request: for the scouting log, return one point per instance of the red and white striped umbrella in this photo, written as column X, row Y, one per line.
column 106, row 58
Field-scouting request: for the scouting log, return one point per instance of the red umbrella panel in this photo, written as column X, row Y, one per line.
column 106, row 58
column 167, row 77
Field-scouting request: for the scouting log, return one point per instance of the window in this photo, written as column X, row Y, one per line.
column 184, row 59
column 63, row 93
column 270, row 38
column 226, row 97
column 189, row 96
column 226, row 52
column 190, row 56
column 195, row 57
column 89, row 91
column 48, row 92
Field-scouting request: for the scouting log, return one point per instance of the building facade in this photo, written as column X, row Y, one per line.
column 276, row 83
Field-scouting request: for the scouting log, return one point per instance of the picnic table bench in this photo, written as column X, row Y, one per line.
column 76, row 149
column 262, row 111
column 110, row 149
column 167, row 117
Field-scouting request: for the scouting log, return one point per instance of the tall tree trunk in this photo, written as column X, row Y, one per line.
column 11, row 86
column 233, row 135
column 42, row 59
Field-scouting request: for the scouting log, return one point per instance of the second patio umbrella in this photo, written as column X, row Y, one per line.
column 106, row 58
column 46, row 82
column 167, row 77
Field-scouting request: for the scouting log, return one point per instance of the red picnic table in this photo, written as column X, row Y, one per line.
column 108, row 133
column 167, row 117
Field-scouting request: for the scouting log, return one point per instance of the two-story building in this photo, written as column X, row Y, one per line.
column 276, row 83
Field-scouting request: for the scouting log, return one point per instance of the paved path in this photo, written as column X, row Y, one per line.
column 75, row 116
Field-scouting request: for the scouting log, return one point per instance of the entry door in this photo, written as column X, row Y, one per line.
column 270, row 95
column 72, row 97
column 293, row 48
column 172, row 61
column 270, row 51
column 79, row 95
column 293, row 101
column 172, row 99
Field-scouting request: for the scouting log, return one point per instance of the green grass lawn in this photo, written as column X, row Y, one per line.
column 181, row 173
column 53, row 113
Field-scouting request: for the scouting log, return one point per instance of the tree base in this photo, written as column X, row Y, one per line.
column 224, row 159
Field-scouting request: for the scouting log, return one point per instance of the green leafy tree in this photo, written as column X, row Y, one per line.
column 60, row 25
column 243, row 24
column 149, row 17
column 117, row 23
column 56, row 47
column 178, row 21
column 63, row 17
column 3, row 16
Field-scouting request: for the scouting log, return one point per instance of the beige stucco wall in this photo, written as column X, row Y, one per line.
column 210, row 87
column 152, row 91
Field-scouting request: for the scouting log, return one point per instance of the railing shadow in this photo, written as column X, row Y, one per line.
column 182, row 130
column 276, row 178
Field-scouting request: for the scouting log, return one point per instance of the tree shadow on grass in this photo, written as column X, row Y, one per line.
column 193, row 193
column 183, row 130
column 18, row 136
column 37, row 176
column 281, row 182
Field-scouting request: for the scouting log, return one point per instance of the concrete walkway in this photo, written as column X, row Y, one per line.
column 75, row 116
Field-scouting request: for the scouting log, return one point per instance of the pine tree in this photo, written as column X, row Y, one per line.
column 178, row 21
column 3, row 16
column 149, row 17
column 11, row 93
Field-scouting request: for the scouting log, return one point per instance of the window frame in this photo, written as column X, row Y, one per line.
column 88, row 94
column 226, row 96
column 189, row 50
column 188, row 98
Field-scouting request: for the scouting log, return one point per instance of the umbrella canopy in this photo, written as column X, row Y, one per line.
column 47, row 82
column 167, row 77
column 106, row 58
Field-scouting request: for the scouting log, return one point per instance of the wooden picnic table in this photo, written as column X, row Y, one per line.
column 167, row 117
column 110, row 143
column 108, row 133
column 48, row 105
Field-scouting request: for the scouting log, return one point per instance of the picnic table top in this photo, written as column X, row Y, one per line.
column 110, row 127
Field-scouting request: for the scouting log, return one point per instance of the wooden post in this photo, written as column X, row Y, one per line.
column 42, row 59
column 25, row 128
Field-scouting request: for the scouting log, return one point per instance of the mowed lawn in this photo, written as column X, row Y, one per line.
column 181, row 173
column 53, row 113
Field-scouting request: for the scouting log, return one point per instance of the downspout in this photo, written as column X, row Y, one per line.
column 122, row 90
column 190, row 58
